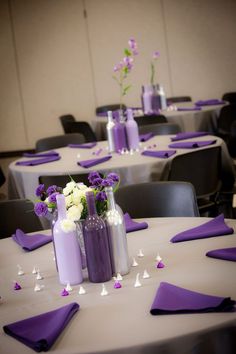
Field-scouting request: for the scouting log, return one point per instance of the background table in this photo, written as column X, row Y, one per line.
column 120, row 322
column 135, row 168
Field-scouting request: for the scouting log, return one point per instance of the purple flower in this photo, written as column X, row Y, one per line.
column 40, row 190
column 113, row 176
column 41, row 209
column 52, row 197
column 101, row 196
column 51, row 190
column 93, row 175
column 107, row 182
column 132, row 44
column 156, row 55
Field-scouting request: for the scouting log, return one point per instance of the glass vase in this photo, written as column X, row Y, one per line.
column 151, row 100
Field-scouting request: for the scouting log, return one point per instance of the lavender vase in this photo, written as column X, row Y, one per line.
column 151, row 100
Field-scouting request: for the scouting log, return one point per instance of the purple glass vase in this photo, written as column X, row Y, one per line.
column 119, row 132
column 151, row 100
column 132, row 131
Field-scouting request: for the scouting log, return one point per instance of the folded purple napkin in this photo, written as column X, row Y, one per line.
column 188, row 135
column 132, row 225
column 38, row 161
column 83, row 146
column 93, row 162
column 41, row 154
column 183, row 109
column 40, row 332
column 174, row 299
column 191, row 144
column 161, row 153
column 146, row 137
column 214, row 227
column 30, row 242
column 228, row 254
column 211, row 102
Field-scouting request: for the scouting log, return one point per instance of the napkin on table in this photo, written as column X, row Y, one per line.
column 227, row 254
column 83, row 146
column 188, row 135
column 132, row 225
column 38, row 161
column 93, row 162
column 170, row 299
column 41, row 154
column 183, row 109
column 214, row 227
column 40, row 332
column 30, row 242
column 191, row 144
column 210, row 102
column 146, row 137
column 161, row 153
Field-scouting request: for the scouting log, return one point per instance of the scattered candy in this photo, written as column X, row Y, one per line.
column 34, row 271
column 137, row 282
column 82, row 290
column 39, row 276
column 38, row 287
column 140, row 253
column 145, row 274
column 104, row 290
column 158, row 258
column 117, row 285
column 20, row 270
column 134, row 263
column 64, row 292
column 119, row 277
column 68, row 287
column 160, row 265
column 17, row 286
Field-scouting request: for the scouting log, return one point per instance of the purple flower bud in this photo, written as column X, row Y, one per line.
column 128, row 60
column 51, row 189
column 107, row 182
column 132, row 43
column 97, row 182
column 41, row 209
column 92, row 176
column 40, row 190
column 113, row 176
column 52, row 197
column 135, row 52
column 101, row 196
column 156, row 55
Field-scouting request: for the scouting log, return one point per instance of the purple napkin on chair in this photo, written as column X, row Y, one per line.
column 188, row 135
column 132, row 225
column 83, row 146
column 211, row 102
column 93, row 162
column 172, row 299
column 38, row 161
column 214, row 227
column 146, row 137
column 161, row 153
column 41, row 154
column 30, row 242
column 183, row 109
column 40, row 332
column 228, row 254
column 191, row 144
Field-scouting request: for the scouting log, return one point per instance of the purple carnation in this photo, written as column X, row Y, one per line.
column 41, row 209
column 114, row 176
column 52, row 197
column 40, row 190
column 51, row 189
column 107, row 182
column 93, row 175
column 101, row 196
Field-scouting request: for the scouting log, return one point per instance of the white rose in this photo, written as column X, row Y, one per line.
column 68, row 200
column 76, row 196
column 69, row 188
column 74, row 212
column 68, row 225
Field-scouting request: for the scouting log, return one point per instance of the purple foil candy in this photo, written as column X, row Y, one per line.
column 17, row 286
column 117, row 285
column 64, row 292
column 160, row 264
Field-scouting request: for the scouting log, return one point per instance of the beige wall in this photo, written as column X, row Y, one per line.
column 54, row 60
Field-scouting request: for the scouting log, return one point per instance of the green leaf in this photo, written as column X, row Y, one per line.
column 127, row 52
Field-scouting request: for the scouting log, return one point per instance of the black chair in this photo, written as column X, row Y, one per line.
column 58, row 141
column 225, row 120
column 202, row 168
column 2, row 177
column 229, row 97
column 80, row 127
column 158, row 199
column 152, row 119
column 177, row 99
column 160, row 129
column 66, row 118
column 62, row 180
column 232, row 140
column 102, row 110
column 18, row 214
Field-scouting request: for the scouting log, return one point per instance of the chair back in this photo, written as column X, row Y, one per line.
column 2, row 177
column 226, row 118
column 102, row 110
column 158, row 199
column 151, row 119
column 18, row 214
column 83, row 128
column 229, row 97
column 62, row 180
column 160, row 128
column 58, row 141
column 177, row 99
column 66, row 118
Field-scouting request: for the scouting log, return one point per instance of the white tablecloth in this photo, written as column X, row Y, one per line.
column 121, row 322
column 135, row 168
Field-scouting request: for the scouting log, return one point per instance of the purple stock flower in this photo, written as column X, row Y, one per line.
column 156, row 54
column 93, row 175
column 113, row 176
column 40, row 190
column 101, row 196
column 51, row 189
column 41, row 209
column 132, row 43
column 107, row 182
column 52, row 197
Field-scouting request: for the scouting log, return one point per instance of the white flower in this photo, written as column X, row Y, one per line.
column 69, row 188
column 76, row 196
column 68, row 225
column 68, row 200
column 74, row 212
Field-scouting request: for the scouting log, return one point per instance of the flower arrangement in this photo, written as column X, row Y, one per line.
column 124, row 67
column 155, row 56
column 75, row 196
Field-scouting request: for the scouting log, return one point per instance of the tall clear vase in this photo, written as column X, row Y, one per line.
column 151, row 100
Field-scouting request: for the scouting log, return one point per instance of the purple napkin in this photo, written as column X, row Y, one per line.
column 146, row 137
column 174, row 299
column 40, row 332
column 228, row 254
column 161, row 153
column 93, row 162
column 214, row 227
column 211, row 102
column 30, row 242
column 191, row 144
column 183, row 109
column 132, row 225
column 188, row 135
column 83, row 146
column 41, row 154
column 38, row 161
